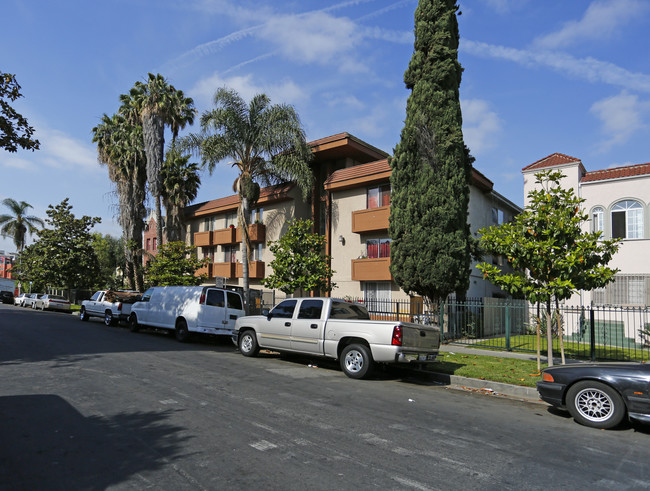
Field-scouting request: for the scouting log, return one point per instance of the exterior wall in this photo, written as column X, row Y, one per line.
column 572, row 173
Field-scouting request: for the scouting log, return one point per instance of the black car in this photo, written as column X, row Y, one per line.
column 599, row 395
column 7, row 297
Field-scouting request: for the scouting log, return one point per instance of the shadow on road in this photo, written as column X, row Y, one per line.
column 48, row 444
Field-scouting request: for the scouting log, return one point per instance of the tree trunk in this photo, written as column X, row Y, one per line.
column 159, row 223
column 549, row 334
column 539, row 340
column 243, row 223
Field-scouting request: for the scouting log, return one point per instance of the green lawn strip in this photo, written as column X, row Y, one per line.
column 494, row 368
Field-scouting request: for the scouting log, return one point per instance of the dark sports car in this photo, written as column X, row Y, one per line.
column 600, row 395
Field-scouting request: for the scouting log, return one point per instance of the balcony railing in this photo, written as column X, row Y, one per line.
column 371, row 269
column 205, row 270
column 203, row 239
column 370, row 220
column 224, row 236
column 224, row 270
column 255, row 270
column 256, row 231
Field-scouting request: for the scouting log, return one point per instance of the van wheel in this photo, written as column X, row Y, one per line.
column 83, row 315
column 182, row 334
column 356, row 361
column 108, row 318
column 133, row 323
column 248, row 343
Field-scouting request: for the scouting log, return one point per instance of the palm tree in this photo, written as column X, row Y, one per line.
column 17, row 224
column 120, row 148
column 157, row 103
column 181, row 183
column 265, row 142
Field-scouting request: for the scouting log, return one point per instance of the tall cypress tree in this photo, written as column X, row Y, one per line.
column 431, row 168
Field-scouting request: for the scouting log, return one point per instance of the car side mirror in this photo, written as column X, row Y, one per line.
column 266, row 312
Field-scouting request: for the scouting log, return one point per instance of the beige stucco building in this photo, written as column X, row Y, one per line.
column 617, row 201
column 350, row 206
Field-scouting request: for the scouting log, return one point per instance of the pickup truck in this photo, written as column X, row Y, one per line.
column 112, row 305
column 337, row 329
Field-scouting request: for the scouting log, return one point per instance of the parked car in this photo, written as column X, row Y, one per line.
column 112, row 305
column 6, row 297
column 186, row 309
column 337, row 329
column 599, row 395
column 52, row 302
column 31, row 299
column 20, row 299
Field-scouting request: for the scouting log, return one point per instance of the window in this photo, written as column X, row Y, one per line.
column 234, row 301
column 284, row 310
column 345, row 310
column 377, row 295
column 147, row 295
column 625, row 290
column 155, row 240
column 378, row 196
column 95, row 296
column 310, row 309
column 627, row 220
column 229, row 254
column 497, row 216
column 598, row 219
column 378, row 248
column 215, row 298
column 257, row 215
column 148, row 244
column 257, row 252
column 231, row 220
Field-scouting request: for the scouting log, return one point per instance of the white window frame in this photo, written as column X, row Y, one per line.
column 633, row 212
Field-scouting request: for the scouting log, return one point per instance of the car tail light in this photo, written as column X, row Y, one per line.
column 547, row 377
column 119, row 306
column 202, row 299
column 397, row 336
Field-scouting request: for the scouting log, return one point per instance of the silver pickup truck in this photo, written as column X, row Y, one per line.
column 336, row 329
column 112, row 305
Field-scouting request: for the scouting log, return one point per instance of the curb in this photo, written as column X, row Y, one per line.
column 487, row 387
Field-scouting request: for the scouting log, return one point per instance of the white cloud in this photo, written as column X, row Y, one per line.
column 9, row 160
column 588, row 69
column 601, row 20
column 621, row 116
column 504, row 6
column 481, row 125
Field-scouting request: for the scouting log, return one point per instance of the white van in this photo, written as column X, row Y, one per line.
column 188, row 309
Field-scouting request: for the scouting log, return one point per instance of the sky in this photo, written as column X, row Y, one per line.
column 539, row 77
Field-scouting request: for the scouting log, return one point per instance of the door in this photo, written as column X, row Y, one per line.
column 234, row 309
column 212, row 314
column 94, row 305
column 142, row 309
column 276, row 330
column 307, row 327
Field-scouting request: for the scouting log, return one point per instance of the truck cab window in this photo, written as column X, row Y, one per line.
column 310, row 309
column 284, row 310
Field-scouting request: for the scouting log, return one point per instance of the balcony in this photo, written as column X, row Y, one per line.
column 205, row 270
column 255, row 270
column 203, row 239
column 371, row 269
column 224, row 236
column 256, row 231
column 224, row 270
column 370, row 220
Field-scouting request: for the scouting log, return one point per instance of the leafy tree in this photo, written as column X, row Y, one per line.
column 120, row 147
column 157, row 103
column 551, row 256
column 110, row 254
column 181, row 183
column 431, row 242
column 63, row 255
column 299, row 262
column 266, row 144
column 14, row 129
column 175, row 264
column 17, row 223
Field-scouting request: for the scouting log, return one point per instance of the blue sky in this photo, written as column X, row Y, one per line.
column 540, row 77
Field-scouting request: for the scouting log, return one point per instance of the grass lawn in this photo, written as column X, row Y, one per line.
column 506, row 370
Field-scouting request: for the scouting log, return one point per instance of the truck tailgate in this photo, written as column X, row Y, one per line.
column 420, row 336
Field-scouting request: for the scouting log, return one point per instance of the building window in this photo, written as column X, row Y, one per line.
column 229, row 254
column 208, row 224
column 148, row 244
column 497, row 216
column 377, row 248
column 154, row 243
column 231, row 220
column 625, row 290
column 598, row 219
column 257, row 215
column 378, row 196
column 257, row 252
column 377, row 295
column 627, row 220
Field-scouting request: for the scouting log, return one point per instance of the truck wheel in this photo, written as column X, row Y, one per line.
column 133, row 323
column 356, row 361
column 248, row 343
column 182, row 334
column 108, row 318
column 83, row 315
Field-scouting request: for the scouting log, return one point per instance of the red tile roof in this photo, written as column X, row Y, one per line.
column 617, row 172
column 553, row 160
column 268, row 194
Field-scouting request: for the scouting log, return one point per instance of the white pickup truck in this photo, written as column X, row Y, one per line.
column 336, row 329
column 112, row 305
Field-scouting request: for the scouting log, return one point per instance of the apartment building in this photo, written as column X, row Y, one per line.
column 350, row 206
column 617, row 201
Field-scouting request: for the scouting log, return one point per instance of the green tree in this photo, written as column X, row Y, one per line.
column 551, row 256
column 110, row 254
column 265, row 142
column 14, row 129
column 175, row 264
column 17, row 224
column 431, row 242
column 181, row 183
column 120, row 147
column 299, row 262
column 63, row 256
column 157, row 104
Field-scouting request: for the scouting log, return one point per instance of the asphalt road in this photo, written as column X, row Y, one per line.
column 85, row 406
